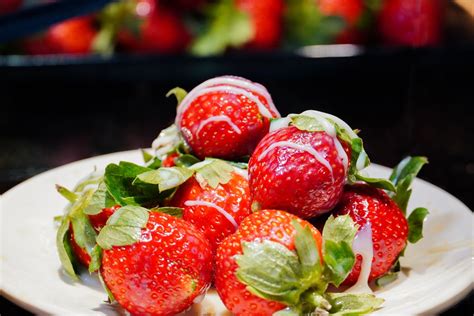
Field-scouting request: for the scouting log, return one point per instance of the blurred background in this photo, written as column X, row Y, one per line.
column 84, row 78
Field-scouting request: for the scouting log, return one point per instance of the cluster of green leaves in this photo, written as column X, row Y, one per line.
column 298, row 278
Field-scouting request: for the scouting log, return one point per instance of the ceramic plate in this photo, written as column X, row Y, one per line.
column 438, row 271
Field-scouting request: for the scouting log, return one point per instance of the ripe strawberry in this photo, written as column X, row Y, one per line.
column 351, row 11
column 74, row 36
column 163, row 272
column 389, row 226
column 8, row 6
column 299, row 171
column 265, row 225
column 153, row 29
column 97, row 221
column 225, row 117
column 415, row 23
column 266, row 19
column 216, row 212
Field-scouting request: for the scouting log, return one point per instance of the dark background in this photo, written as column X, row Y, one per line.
column 406, row 102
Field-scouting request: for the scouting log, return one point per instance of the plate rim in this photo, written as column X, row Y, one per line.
column 43, row 308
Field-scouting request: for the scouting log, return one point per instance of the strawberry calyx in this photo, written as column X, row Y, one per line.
column 300, row 278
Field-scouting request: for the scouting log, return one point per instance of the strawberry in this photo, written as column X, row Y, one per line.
column 265, row 225
column 216, row 212
column 389, row 227
column 385, row 215
column 97, row 221
column 163, row 272
column 225, row 117
column 299, row 171
column 74, row 36
column 414, row 23
column 266, row 20
column 8, row 6
column 350, row 11
column 153, row 29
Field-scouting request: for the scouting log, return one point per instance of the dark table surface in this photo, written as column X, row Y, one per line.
column 405, row 103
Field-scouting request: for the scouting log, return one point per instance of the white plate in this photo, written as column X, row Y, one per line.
column 438, row 271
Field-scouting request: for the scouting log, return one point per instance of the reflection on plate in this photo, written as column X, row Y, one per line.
column 437, row 271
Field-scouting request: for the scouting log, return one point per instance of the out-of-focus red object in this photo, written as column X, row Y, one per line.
column 74, row 36
column 155, row 29
column 266, row 18
column 411, row 22
column 8, row 6
column 351, row 11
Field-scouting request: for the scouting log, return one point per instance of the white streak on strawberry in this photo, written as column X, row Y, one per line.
column 229, row 217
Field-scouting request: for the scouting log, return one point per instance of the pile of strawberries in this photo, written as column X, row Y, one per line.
column 233, row 197
column 212, row 27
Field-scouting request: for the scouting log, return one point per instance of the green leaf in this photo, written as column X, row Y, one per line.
column 70, row 196
column 386, row 279
column 100, row 199
column 288, row 311
column 227, row 27
column 377, row 182
column 212, row 172
column 338, row 235
column 123, row 227
column 91, row 180
column 166, row 178
column 119, row 180
column 415, row 224
column 359, row 159
column 305, row 25
column 178, row 92
column 84, row 233
column 270, row 271
column 96, row 259
column 310, row 123
column 352, row 304
column 186, row 160
column 105, row 287
column 307, row 250
column 64, row 248
column 173, row 211
column 146, row 155
column 402, row 176
column 169, row 140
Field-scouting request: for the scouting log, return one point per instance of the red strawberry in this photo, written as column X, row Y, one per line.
column 389, row 226
column 216, row 212
column 163, row 272
column 407, row 22
column 98, row 221
column 153, row 29
column 74, row 36
column 351, row 11
column 8, row 6
column 299, row 171
column 225, row 117
column 266, row 19
column 268, row 225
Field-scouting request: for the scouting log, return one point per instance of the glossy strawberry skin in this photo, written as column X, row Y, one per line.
column 271, row 225
column 266, row 19
column 162, row 273
column 389, row 227
column 168, row 161
column 218, row 139
column 233, row 197
column 292, row 179
column 413, row 23
column 160, row 30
